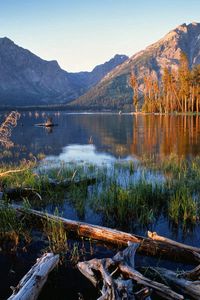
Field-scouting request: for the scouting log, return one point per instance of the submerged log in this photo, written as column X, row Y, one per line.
column 20, row 193
column 147, row 246
column 70, row 182
column 121, row 283
column 31, row 284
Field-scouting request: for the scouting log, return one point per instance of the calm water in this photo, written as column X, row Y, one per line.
column 114, row 136
column 99, row 139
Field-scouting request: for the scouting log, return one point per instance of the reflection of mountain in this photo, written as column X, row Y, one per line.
column 119, row 135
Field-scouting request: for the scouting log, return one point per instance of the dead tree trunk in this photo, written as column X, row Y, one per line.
column 147, row 245
column 31, row 284
column 120, row 278
column 187, row 287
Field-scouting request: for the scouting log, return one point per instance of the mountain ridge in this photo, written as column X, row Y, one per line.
column 27, row 79
column 114, row 92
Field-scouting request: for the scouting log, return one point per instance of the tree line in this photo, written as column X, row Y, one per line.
column 177, row 91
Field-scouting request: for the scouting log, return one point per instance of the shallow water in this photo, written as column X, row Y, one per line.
column 103, row 140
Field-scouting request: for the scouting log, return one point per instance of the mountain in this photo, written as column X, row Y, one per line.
column 93, row 77
column 114, row 92
column 26, row 79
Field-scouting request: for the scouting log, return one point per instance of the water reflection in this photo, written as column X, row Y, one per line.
column 80, row 154
column 162, row 135
column 116, row 135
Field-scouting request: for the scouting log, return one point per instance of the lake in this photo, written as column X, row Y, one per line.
column 118, row 136
column 102, row 140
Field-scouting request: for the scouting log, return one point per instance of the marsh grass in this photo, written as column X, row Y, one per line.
column 139, row 202
column 126, row 193
column 56, row 234
column 77, row 196
column 13, row 230
column 182, row 207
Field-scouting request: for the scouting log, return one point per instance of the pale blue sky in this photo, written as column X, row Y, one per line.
column 80, row 34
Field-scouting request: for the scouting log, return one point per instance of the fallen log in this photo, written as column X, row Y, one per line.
column 120, row 238
column 193, row 274
column 31, row 284
column 187, row 287
column 154, row 236
column 45, row 125
column 121, row 283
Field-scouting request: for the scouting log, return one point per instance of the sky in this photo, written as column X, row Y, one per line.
column 81, row 34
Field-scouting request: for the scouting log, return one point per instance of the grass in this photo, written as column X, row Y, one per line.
column 182, row 207
column 126, row 194
column 13, row 230
column 56, row 234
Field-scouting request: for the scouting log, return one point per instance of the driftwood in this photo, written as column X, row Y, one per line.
column 120, row 278
column 6, row 173
column 187, row 287
column 147, row 245
column 154, row 236
column 48, row 123
column 31, row 284
column 193, row 274
column 45, row 125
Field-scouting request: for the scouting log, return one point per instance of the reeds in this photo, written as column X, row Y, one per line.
column 13, row 229
column 56, row 234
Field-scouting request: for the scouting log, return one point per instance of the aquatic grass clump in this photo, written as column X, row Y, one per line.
column 77, row 195
column 138, row 203
column 13, row 229
column 182, row 207
column 56, row 234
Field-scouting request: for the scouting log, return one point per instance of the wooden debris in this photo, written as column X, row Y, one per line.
column 147, row 246
column 121, row 283
column 154, row 236
column 31, row 284
column 193, row 274
column 187, row 287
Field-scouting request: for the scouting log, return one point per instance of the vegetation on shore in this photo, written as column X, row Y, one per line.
column 177, row 91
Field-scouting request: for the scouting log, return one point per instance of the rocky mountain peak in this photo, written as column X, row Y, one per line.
column 26, row 79
column 6, row 41
column 152, row 60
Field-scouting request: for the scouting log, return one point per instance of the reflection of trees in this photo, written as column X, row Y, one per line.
column 120, row 135
column 163, row 135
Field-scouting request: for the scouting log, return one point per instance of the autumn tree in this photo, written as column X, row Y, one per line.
column 134, row 85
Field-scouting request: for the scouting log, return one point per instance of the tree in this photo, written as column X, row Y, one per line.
column 134, row 85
